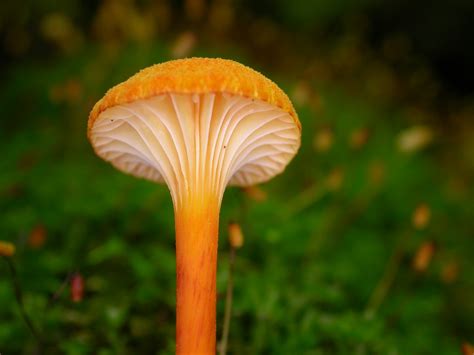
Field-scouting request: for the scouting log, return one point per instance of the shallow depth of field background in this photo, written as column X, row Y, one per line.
column 363, row 246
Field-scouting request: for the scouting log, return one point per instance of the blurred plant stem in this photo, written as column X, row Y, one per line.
column 19, row 299
column 228, row 303
column 381, row 290
column 304, row 200
column 60, row 290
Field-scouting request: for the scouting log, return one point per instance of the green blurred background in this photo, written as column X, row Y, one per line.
column 363, row 246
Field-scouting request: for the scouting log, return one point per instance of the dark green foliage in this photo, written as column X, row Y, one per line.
column 335, row 227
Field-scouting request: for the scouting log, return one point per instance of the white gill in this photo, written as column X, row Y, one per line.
column 197, row 143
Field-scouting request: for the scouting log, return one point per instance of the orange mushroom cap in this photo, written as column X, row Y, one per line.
column 195, row 122
column 195, row 75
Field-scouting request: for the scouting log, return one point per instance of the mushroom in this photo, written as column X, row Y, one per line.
column 198, row 125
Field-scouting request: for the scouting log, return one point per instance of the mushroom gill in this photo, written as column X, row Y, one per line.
column 197, row 143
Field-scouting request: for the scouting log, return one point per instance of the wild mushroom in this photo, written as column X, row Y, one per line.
column 197, row 125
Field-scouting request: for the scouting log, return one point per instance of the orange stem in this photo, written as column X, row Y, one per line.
column 197, row 225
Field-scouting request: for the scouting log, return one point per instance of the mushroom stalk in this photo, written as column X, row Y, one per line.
column 197, row 225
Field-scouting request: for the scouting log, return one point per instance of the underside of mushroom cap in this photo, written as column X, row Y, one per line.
column 197, row 142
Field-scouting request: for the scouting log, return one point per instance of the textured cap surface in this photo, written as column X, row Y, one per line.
column 195, row 75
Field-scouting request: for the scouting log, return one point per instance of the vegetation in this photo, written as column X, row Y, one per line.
column 363, row 246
